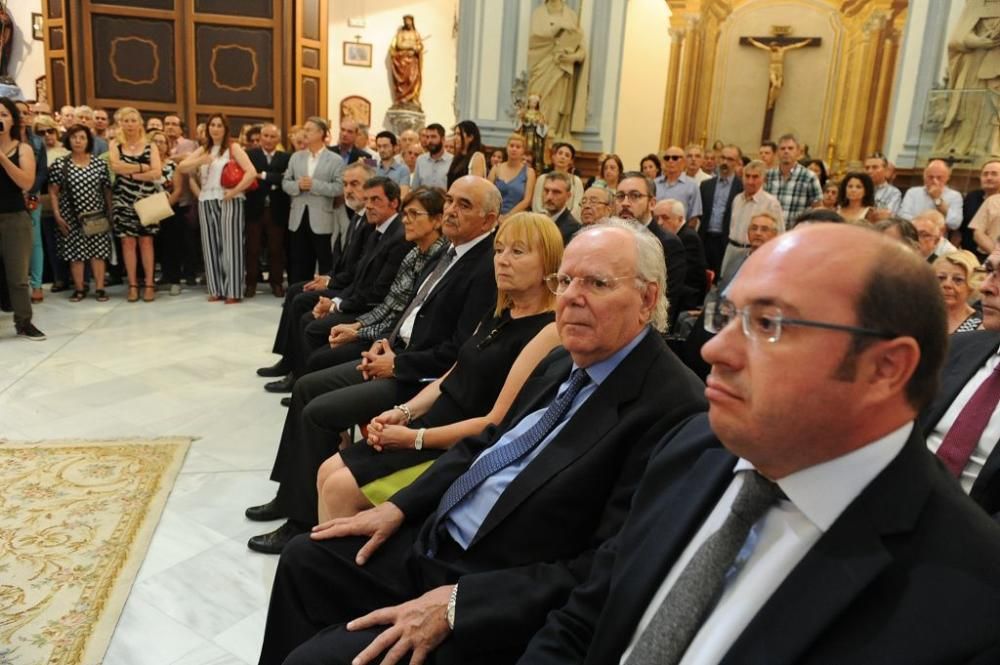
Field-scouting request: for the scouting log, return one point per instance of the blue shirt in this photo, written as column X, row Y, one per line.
column 684, row 189
column 468, row 515
column 398, row 173
column 722, row 189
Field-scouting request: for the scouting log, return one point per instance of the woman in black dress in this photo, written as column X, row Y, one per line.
column 80, row 183
column 491, row 367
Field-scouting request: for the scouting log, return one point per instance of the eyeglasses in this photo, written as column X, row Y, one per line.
column 414, row 214
column 634, row 197
column 559, row 283
column 673, row 158
column 588, row 201
column 764, row 322
column 49, row 131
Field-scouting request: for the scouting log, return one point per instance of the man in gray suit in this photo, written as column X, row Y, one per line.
column 314, row 181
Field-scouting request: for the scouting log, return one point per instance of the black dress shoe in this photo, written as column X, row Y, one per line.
column 275, row 541
column 277, row 369
column 265, row 512
column 286, row 401
column 282, row 385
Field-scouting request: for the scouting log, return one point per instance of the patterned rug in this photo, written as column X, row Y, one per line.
column 76, row 518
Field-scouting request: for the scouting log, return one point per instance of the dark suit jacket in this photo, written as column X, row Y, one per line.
column 344, row 269
column 707, row 201
column 538, row 540
column 449, row 315
column 907, row 574
column 676, row 257
column 270, row 186
column 376, row 269
column 353, row 156
column 968, row 352
column 695, row 282
column 567, row 225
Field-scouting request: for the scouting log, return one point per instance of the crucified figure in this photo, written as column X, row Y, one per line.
column 776, row 66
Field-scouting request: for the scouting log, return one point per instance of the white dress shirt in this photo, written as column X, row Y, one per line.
column 406, row 328
column 313, row 161
column 990, row 435
column 816, row 497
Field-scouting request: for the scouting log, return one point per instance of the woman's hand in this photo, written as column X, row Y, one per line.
column 230, row 194
column 343, row 333
column 398, row 437
column 63, row 226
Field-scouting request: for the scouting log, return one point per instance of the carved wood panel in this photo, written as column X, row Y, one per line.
column 191, row 57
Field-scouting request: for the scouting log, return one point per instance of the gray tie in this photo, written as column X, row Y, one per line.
column 424, row 291
column 700, row 584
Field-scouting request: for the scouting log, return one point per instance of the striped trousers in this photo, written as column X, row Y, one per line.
column 222, row 233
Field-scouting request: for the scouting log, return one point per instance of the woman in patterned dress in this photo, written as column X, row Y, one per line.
column 137, row 167
column 80, row 183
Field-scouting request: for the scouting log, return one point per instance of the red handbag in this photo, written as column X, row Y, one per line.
column 232, row 174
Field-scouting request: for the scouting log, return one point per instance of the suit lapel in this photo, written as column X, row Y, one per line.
column 473, row 255
column 842, row 564
column 960, row 368
column 588, row 426
column 669, row 526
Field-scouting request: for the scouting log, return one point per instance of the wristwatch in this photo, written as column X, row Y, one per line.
column 451, row 607
column 938, row 201
column 418, row 443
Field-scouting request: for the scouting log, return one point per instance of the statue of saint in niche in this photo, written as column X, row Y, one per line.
column 971, row 123
column 556, row 54
column 406, row 53
column 531, row 124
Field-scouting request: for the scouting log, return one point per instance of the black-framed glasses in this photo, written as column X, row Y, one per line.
column 673, row 158
column 761, row 321
column 634, row 197
column 559, row 283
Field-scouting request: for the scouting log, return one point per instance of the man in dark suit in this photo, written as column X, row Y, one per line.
column 972, row 361
column 302, row 297
column 267, row 212
column 346, row 140
column 669, row 215
column 450, row 302
column 717, row 195
column 635, row 198
column 557, row 190
column 824, row 532
column 481, row 547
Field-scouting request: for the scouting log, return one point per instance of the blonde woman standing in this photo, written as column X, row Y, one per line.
column 221, row 209
column 138, row 168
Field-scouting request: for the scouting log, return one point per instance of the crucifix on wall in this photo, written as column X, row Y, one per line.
column 776, row 46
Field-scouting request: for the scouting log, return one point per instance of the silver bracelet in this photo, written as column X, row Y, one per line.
column 452, row 602
column 406, row 412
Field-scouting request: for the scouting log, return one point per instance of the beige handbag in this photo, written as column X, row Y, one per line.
column 153, row 209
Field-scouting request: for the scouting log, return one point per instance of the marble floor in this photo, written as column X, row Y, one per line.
column 177, row 366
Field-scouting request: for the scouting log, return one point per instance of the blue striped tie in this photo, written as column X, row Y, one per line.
column 504, row 456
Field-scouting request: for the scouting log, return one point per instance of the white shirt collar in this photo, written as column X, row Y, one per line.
column 466, row 246
column 384, row 225
column 823, row 491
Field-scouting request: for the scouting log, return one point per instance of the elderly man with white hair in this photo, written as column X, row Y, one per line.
column 85, row 116
column 931, row 235
column 934, row 195
column 671, row 216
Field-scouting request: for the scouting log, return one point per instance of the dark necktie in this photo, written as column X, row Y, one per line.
column 965, row 432
column 504, row 456
column 424, row 291
column 697, row 589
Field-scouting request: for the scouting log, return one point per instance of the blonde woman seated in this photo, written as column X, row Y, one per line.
column 476, row 392
column 955, row 272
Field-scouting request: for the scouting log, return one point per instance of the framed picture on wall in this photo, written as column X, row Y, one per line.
column 357, row 54
column 37, row 28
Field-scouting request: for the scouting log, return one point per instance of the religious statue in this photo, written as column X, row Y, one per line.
column 406, row 53
column 971, row 123
column 531, row 125
column 776, row 66
column 556, row 56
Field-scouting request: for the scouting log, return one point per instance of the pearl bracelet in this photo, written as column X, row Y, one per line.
column 406, row 412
